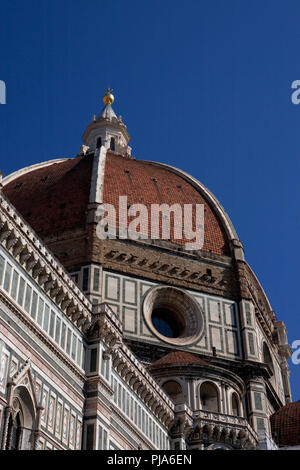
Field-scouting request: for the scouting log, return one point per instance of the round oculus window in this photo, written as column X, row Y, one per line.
column 173, row 316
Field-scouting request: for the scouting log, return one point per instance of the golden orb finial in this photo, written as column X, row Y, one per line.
column 108, row 97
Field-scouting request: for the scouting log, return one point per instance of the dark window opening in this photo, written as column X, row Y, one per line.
column 165, row 323
column 85, row 279
column 93, row 363
column 15, row 430
column 96, row 279
column 99, row 142
column 90, row 437
column 235, row 405
column 112, row 144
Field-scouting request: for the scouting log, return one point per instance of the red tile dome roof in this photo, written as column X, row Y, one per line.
column 53, row 197
column 285, row 425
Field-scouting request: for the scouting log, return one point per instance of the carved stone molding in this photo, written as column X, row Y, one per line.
column 23, row 244
column 212, row 427
column 213, row 276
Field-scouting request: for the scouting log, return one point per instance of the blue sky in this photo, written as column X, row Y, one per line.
column 202, row 85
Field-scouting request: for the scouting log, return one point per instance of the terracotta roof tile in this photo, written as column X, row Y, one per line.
column 54, row 198
column 285, row 425
column 145, row 183
column 179, row 357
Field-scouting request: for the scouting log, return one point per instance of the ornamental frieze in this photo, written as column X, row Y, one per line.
column 210, row 277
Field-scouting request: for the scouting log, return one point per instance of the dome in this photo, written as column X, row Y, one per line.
column 285, row 424
column 54, row 196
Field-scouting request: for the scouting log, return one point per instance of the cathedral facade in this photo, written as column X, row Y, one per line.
column 119, row 342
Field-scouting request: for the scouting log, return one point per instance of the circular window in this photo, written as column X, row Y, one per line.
column 173, row 316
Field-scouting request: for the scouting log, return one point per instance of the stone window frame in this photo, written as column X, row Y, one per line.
column 193, row 316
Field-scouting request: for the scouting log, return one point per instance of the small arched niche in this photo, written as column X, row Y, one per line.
column 209, row 397
column 174, row 390
column 235, row 405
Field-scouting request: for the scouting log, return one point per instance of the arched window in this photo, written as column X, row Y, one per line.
column 174, row 390
column 235, row 406
column 21, row 421
column 209, row 397
column 99, row 142
column 112, row 144
column 267, row 358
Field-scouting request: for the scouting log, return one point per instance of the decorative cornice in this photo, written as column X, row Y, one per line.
column 18, row 238
column 222, row 426
column 263, row 312
column 113, row 123
column 155, row 264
